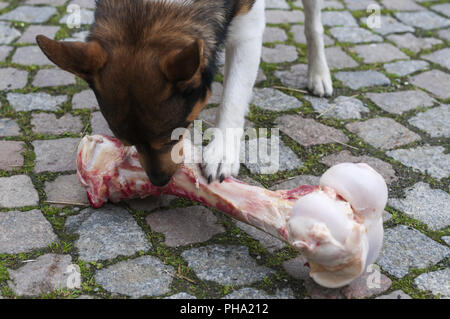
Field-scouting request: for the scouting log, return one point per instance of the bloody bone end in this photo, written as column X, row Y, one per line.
column 336, row 225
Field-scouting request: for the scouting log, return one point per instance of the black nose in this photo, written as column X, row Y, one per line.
column 159, row 180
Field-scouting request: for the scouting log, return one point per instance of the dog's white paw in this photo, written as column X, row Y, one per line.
column 220, row 162
column 319, row 81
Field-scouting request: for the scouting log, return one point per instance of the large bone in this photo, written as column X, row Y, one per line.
column 336, row 225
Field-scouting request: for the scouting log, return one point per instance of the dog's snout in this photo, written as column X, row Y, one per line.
column 159, row 180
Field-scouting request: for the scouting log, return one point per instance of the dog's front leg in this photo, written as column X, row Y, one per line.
column 243, row 53
column 319, row 78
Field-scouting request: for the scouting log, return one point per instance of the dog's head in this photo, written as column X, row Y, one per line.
column 144, row 93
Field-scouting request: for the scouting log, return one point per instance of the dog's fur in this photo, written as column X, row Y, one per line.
column 151, row 64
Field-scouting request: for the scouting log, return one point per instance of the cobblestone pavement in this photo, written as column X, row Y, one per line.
column 390, row 109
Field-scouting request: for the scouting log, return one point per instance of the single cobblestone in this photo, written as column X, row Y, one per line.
column 343, row 107
column 66, row 189
column 47, row 123
column 29, row 14
column 434, row 81
column 402, row 101
column 299, row 35
column 389, row 25
column 383, row 133
column 29, row 36
column 411, row 42
column 106, row 233
column 274, row 100
column 398, row 294
column 423, row 19
column 8, row 127
column 407, row 5
column 308, row 132
column 354, row 35
column 405, row 248
column 379, row 52
column 24, row 231
column 225, row 264
column 437, row 282
column 430, row 206
column 11, row 79
column 281, row 16
column 17, row 191
column 181, row 295
column 427, row 159
column 46, row 274
column 338, row 59
column 184, row 226
column 143, row 276
column 338, row 18
column 4, row 50
column 444, row 34
column 441, row 57
column 30, row 55
column 277, row 4
column 295, row 77
column 8, row 33
column 361, row 79
column 50, row 77
column 99, row 124
column 55, row 155
column 279, row 53
column 358, row 4
column 403, row 68
column 84, row 100
column 35, row 101
column 11, row 155
column 443, row 8
column 272, row 34
column 434, row 121
column 150, row 203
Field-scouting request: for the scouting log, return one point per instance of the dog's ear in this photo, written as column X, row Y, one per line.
column 81, row 58
column 184, row 67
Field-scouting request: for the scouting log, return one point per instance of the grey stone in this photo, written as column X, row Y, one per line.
column 29, row 36
column 385, row 169
column 11, row 79
column 274, row 100
column 55, row 155
column 277, row 4
column 354, row 35
column 343, row 107
column 86, row 17
column 379, row 52
column 181, row 295
column 296, row 181
column 4, row 50
column 402, row 101
column 338, row 59
column 441, row 57
column 99, row 124
column 280, row 53
column 294, row 77
column 281, row 16
column 8, row 127
column 29, row 14
column 386, row 216
column 411, row 42
column 272, row 34
column 269, row 242
column 338, row 18
column 143, row 276
column 11, row 155
column 405, row 248
column 358, row 4
column 78, row 36
column 434, row 81
column 51, row 77
column 48, row 273
column 225, row 264
column 438, row 282
column 444, row 34
column 434, row 121
column 383, row 133
column 35, row 101
column 30, row 55
column 47, row 123
column 208, row 116
column 7, row 33
column 403, row 68
column 251, row 293
column 406, row 5
column 389, row 25
column 152, row 202
column 216, row 93
column 308, row 132
column 50, row 2
column 24, row 231
column 106, row 233
column 443, row 8
column 89, row 4
column 361, row 79
column 297, row 267
column 17, row 191
column 184, row 226
column 299, row 35
column 3, row 5
column 423, row 19
column 446, row 239
column 67, row 189
column 84, row 100
column 430, row 206
column 427, row 159
column 398, row 294
column 260, row 77
column 260, row 161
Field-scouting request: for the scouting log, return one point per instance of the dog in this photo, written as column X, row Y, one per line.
column 151, row 63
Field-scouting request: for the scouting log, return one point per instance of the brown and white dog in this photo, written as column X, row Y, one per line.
column 151, row 64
